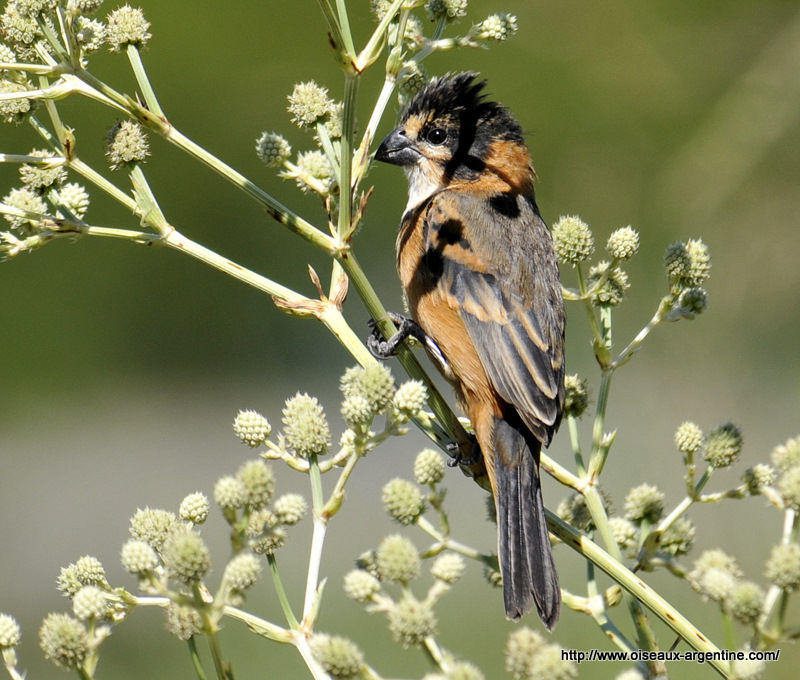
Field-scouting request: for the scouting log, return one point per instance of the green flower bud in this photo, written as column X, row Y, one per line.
column 748, row 669
column 573, row 240
column 15, row 110
column 290, row 508
column 678, row 538
column 692, row 301
column 127, row 26
column 625, row 533
column 403, row 501
column 493, row 576
column 305, row 426
column 573, row 510
column 64, row 640
column 273, row 149
column 789, row 488
column 356, row 411
column 86, row 6
column 337, row 655
column 138, row 558
column 448, row 567
column 8, row 56
column 152, row 526
column 89, row 602
column 576, row 395
column 411, row 80
column 411, row 621
column 252, row 428
column 40, row 177
column 428, row 467
column 242, row 571
column 410, row 398
column 699, row 263
column 498, row 27
column 688, row 438
column 229, row 493
column 360, row 585
column 258, row 481
column 787, row 455
column 644, row 502
column 269, row 541
column 86, row 571
column 746, row 601
column 308, row 103
column 186, row 555
column 397, row 560
column 126, row 145
column 10, row 634
column 24, row 199
column 623, row 243
column 379, row 8
column 758, row 477
column 194, row 508
column 449, row 9
column 723, row 445
column 375, row 383
column 73, row 198
column 613, row 290
column 783, row 566
column 31, row 8
column 183, row 622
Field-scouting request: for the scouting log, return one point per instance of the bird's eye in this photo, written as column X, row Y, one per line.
column 436, row 136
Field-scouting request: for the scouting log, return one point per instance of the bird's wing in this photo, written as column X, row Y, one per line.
column 496, row 264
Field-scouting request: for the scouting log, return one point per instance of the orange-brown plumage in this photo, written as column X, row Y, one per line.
column 478, row 269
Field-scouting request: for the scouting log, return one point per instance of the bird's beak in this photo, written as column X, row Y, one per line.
column 397, row 149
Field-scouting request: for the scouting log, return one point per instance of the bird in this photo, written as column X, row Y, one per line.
column 481, row 283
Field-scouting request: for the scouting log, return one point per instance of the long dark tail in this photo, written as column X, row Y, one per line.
column 526, row 558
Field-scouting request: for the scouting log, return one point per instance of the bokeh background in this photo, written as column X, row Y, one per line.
column 122, row 367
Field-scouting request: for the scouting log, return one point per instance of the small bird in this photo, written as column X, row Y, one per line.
column 480, row 277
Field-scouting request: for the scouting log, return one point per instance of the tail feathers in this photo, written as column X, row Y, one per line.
column 526, row 558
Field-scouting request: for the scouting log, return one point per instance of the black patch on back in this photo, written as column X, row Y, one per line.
column 506, row 204
column 452, row 232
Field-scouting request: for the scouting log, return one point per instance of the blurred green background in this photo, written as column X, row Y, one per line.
column 123, row 367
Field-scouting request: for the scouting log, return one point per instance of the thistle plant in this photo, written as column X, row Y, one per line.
column 46, row 57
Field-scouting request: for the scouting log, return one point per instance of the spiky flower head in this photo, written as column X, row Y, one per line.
column 127, row 26
column 723, row 445
column 625, row 532
column 89, row 603
column 30, row 8
column 183, row 621
column 688, row 438
column 623, row 243
column 715, row 575
column 138, row 558
column 305, row 426
column 356, row 411
column 85, row 6
column 692, row 301
column 448, row 567
column 24, row 199
column 194, row 508
column 787, row 455
column 783, row 566
column 402, row 500
column 748, row 669
column 410, row 398
column 14, row 111
column 449, row 9
column 573, row 240
column 251, row 427
column 10, row 634
column 411, row 621
column 258, row 481
column 308, row 103
column 186, row 555
column 126, row 144
column 397, row 560
column 90, row 34
column 242, row 571
column 460, row 670
column 360, row 585
column 677, row 539
column 375, row 383
column 612, row 291
column 498, row 27
column 64, row 640
column 529, row 656
column 413, row 77
column 39, row 177
column 86, row 571
column 644, row 502
column 429, row 467
column 273, row 149
column 73, row 198
column 573, row 510
column 746, row 601
column 493, row 576
column 290, row 508
column 576, row 395
column 153, row 526
column 789, row 488
column 338, row 656
column 8, row 56
column 229, row 493
column 758, row 477
column 688, row 264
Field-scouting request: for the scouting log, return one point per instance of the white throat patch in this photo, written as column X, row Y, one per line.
column 421, row 185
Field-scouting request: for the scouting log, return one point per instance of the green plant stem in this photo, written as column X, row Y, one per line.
column 281, row 591
column 636, row 587
column 344, row 228
column 319, row 524
column 445, row 542
column 135, row 59
column 317, row 672
column 599, row 453
column 626, row 354
column 197, row 664
column 259, row 626
column 575, row 442
column 337, row 495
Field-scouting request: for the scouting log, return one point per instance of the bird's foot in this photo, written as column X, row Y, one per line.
column 457, row 456
column 406, row 327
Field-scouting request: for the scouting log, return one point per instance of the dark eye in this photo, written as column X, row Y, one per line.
column 436, row 136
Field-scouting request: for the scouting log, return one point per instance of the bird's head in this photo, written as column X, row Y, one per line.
column 449, row 133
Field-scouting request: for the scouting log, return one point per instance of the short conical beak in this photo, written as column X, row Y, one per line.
column 397, row 149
